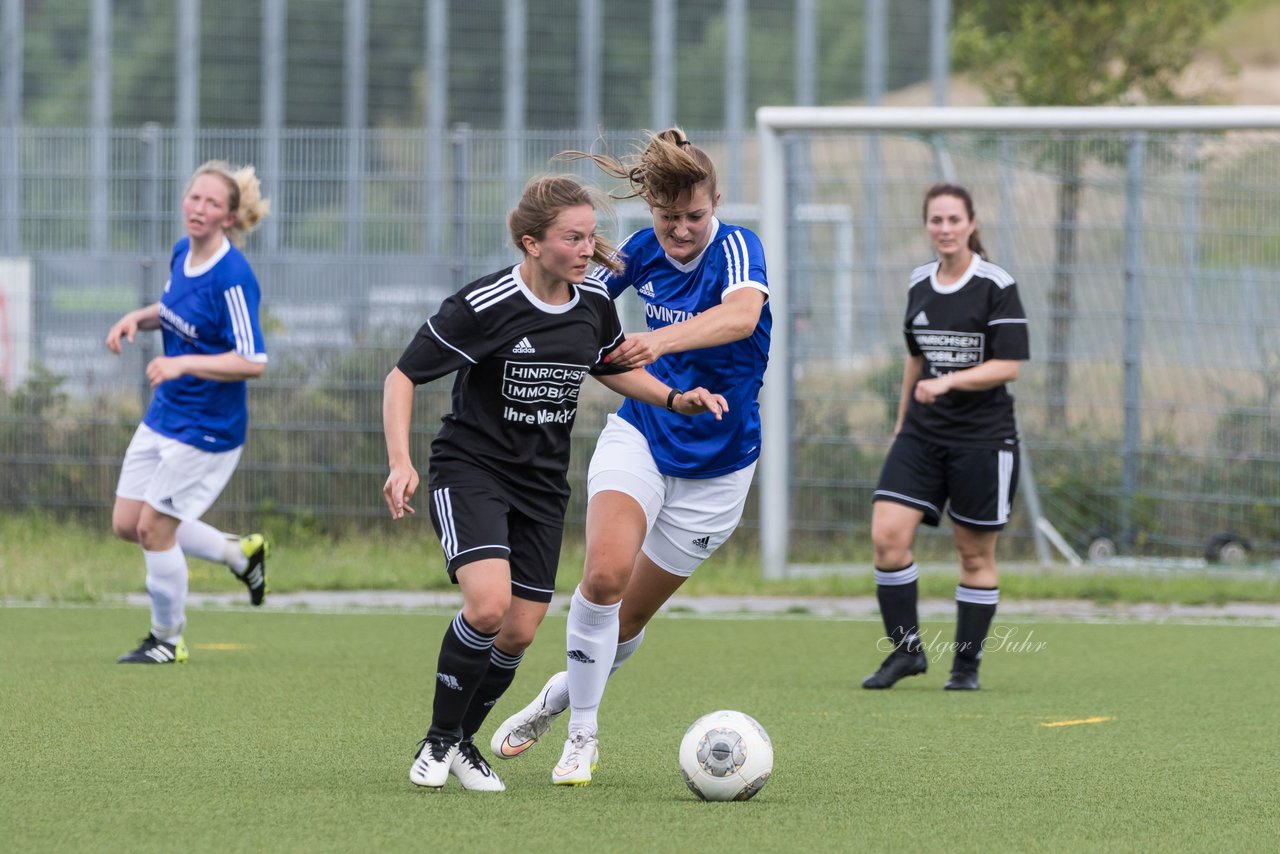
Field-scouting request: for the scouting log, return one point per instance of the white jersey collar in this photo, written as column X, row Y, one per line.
column 190, row 271
column 539, row 304
column 959, row 283
column 711, row 238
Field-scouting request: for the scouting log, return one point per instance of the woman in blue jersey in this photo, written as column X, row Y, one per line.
column 663, row 492
column 955, row 443
column 189, row 442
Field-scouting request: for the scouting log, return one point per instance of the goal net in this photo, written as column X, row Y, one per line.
column 1145, row 246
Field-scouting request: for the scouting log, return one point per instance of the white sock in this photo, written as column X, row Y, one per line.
column 626, row 649
column 592, row 641
column 167, row 586
column 206, row 542
column 558, row 698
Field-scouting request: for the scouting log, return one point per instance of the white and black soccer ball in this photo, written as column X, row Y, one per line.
column 726, row 756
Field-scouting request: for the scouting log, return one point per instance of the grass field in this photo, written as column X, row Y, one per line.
column 45, row 560
column 295, row 731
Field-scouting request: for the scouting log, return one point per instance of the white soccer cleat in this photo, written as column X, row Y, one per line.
column 581, row 756
column 472, row 771
column 523, row 729
column 432, row 763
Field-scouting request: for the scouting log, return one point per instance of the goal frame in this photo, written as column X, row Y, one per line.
column 773, row 122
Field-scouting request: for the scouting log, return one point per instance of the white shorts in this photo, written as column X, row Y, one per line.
column 174, row 478
column 688, row 518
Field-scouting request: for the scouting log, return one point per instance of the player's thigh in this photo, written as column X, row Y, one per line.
column 471, row 523
column 623, row 463
column 188, row 480
column 625, row 493
column 486, row 592
column 893, row 527
column 982, row 483
column 535, row 557
column 141, row 459
column 696, row 519
column 914, row 474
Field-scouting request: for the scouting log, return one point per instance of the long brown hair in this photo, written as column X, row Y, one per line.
column 958, row 192
column 541, row 202
column 665, row 168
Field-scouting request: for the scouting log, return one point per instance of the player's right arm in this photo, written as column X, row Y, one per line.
column 141, row 319
column 912, row 368
column 397, row 410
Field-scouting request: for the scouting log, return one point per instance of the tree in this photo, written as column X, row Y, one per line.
column 1077, row 53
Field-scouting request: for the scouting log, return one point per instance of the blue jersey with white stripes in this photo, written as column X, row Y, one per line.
column 672, row 292
column 207, row 310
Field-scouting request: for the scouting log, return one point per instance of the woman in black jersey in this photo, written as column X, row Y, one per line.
column 955, row 441
column 521, row 341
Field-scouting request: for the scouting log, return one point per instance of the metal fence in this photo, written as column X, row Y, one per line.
column 352, row 261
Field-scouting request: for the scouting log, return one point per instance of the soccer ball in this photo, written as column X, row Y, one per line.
column 726, row 756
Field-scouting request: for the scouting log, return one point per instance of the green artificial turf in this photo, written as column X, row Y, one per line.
column 295, row 732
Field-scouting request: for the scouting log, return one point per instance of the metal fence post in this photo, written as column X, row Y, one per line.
column 1131, row 449
column 152, row 249
column 461, row 144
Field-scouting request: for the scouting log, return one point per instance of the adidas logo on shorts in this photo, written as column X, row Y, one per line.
column 523, row 346
column 702, row 542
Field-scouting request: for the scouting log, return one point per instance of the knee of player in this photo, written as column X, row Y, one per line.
column 487, row 615
column 604, row 586
column 125, row 529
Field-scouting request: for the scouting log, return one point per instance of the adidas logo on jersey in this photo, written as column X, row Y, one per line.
column 646, row 290
column 921, row 320
column 579, row 656
column 523, row 346
column 702, row 542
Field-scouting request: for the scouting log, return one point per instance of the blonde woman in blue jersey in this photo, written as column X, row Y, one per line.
column 663, row 492
column 189, row 442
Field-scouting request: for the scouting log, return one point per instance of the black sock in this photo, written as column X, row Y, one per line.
column 496, row 681
column 464, row 658
column 975, row 607
column 897, row 592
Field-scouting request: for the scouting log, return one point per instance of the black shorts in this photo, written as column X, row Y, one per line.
column 477, row 523
column 975, row 485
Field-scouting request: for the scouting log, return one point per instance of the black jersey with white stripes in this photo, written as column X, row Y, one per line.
column 520, row 363
column 957, row 326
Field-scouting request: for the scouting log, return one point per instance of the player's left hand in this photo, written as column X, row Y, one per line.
column 636, row 351
column 162, row 369
column 698, row 400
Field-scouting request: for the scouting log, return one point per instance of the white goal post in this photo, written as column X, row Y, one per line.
column 772, row 123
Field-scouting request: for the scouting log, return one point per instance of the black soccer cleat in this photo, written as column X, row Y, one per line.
column 152, row 650
column 255, row 548
column 963, row 679
column 898, row 665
